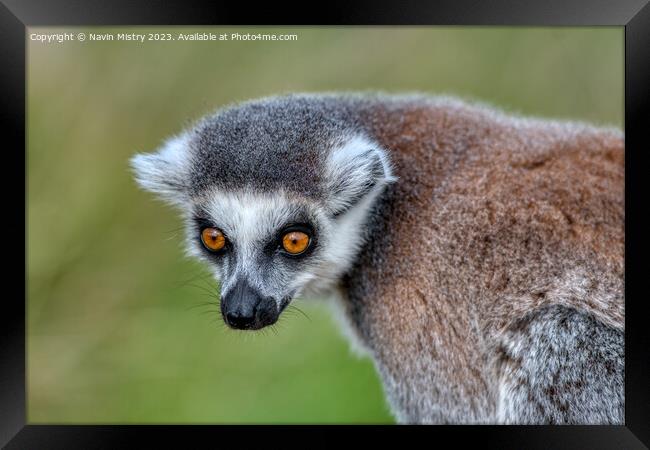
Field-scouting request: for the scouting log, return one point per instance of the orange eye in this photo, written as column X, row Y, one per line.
column 213, row 239
column 295, row 242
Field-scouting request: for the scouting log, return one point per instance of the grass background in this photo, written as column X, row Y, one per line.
column 116, row 332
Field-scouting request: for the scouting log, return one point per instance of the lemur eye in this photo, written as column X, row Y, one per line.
column 295, row 242
column 213, row 239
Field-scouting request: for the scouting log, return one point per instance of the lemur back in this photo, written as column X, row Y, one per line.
column 491, row 290
column 476, row 256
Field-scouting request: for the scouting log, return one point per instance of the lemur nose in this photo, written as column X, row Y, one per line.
column 244, row 308
column 237, row 319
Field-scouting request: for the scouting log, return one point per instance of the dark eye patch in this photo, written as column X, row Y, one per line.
column 274, row 244
column 201, row 223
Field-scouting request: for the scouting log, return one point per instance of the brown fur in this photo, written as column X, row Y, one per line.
column 491, row 218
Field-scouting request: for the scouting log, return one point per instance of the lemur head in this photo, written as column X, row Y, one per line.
column 275, row 194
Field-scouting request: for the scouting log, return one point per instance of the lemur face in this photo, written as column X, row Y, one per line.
column 265, row 248
column 274, row 194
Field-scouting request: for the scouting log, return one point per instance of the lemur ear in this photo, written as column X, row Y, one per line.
column 164, row 172
column 354, row 170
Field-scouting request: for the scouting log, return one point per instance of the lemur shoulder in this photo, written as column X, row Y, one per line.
column 477, row 256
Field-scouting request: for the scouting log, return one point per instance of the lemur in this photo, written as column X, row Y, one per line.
column 476, row 256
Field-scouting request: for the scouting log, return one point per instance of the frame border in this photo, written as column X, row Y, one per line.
column 16, row 16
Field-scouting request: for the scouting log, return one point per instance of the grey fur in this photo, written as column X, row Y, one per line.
column 269, row 144
column 549, row 357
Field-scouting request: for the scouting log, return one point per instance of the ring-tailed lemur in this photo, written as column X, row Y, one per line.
column 477, row 256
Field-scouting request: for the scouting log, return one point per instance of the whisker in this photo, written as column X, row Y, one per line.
column 206, row 290
column 175, row 230
column 295, row 308
column 205, row 278
column 200, row 304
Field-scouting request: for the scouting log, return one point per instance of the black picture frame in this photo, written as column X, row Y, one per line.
column 16, row 15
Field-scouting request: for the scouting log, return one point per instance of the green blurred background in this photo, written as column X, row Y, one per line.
column 117, row 328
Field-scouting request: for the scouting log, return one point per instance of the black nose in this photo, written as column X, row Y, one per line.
column 244, row 308
column 240, row 320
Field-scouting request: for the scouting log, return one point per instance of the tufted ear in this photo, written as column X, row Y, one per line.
column 354, row 170
column 164, row 172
